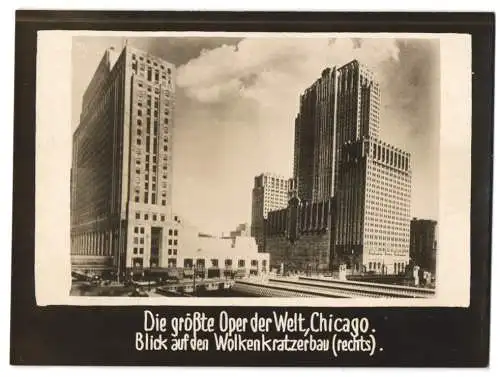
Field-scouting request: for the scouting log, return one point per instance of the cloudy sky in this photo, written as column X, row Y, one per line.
column 237, row 98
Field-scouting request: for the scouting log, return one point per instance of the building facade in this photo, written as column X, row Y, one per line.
column 423, row 244
column 233, row 256
column 270, row 192
column 373, row 204
column 299, row 237
column 340, row 159
column 314, row 155
column 121, row 178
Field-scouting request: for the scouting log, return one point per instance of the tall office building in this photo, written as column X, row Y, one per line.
column 121, row 178
column 270, row 192
column 373, row 207
column 373, row 192
column 314, row 156
column 338, row 155
column 341, row 106
column 423, row 243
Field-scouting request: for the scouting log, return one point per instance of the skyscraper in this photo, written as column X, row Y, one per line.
column 373, row 180
column 270, row 192
column 121, row 178
column 341, row 106
column 314, row 156
column 338, row 155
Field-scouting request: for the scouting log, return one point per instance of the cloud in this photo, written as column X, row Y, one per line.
column 274, row 65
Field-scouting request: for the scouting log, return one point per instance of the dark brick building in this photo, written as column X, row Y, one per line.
column 423, row 244
column 300, row 236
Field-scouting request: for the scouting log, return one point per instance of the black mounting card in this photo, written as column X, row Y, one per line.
column 252, row 189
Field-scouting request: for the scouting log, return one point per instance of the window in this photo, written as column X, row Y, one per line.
column 154, row 216
column 136, row 229
column 170, row 242
column 175, row 251
column 136, row 199
column 137, row 215
column 241, row 263
column 163, row 202
column 175, row 232
column 135, row 250
column 138, row 141
column 146, row 216
column 170, row 232
column 162, row 218
column 142, row 230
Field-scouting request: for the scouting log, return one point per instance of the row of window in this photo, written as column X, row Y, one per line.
column 149, row 61
column 137, row 199
column 150, row 72
column 188, row 263
column 154, row 216
column 378, row 265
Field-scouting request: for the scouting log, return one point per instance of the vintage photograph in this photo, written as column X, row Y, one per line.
column 221, row 166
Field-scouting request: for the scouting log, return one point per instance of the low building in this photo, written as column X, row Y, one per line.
column 183, row 246
column 239, row 256
column 423, row 244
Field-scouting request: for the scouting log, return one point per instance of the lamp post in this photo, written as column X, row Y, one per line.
column 194, row 279
column 352, row 262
